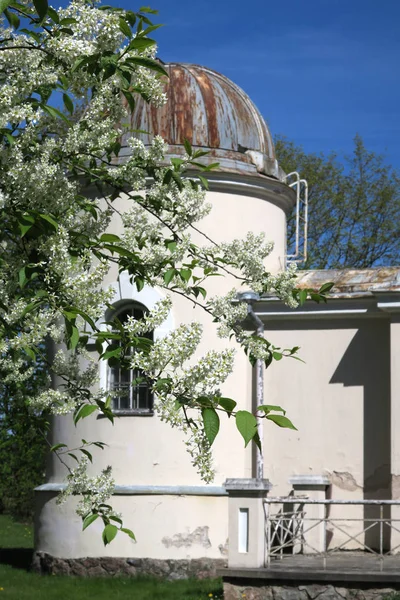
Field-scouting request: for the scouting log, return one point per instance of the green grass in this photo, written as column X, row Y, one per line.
column 19, row 584
column 15, row 535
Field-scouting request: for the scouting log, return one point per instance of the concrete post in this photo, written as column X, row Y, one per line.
column 313, row 486
column 247, row 522
column 395, row 428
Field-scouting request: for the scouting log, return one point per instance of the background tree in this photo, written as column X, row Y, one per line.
column 23, row 447
column 354, row 207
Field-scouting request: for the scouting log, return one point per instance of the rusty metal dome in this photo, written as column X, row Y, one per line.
column 214, row 114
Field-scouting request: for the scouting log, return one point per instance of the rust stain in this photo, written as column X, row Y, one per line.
column 209, row 99
column 353, row 280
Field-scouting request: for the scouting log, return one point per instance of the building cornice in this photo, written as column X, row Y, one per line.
column 357, row 305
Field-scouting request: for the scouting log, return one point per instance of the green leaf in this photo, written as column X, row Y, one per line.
column 130, row 99
column 169, row 275
column 30, row 307
column 257, row 441
column 12, row 18
column 25, row 224
column 185, row 274
column 150, row 63
column 84, row 411
column 30, row 352
column 302, row 297
column 4, row 4
column 247, row 425
column 188, row 147
column 147, row 9
column 204, row 181
column 177, row 162
column 326, row 288
column 49, row 220
column 128, row 532
column 55, row 113
column 109, row 533
column 171, row 246
column 211, row 423
column 53, row 15
column 141, row 43
column 72, row 334
column 57, row 447
column 22, row 278
column 69, row 105
column 89, row 520
column 116, row 519
column 67, row 21
column 267, row 408
column 227, row 404
column 87, row 453
column 281, row 421
column 139, row 282
column 41, row 7
column 125, row 28
column 109, row 237
column 148, row 30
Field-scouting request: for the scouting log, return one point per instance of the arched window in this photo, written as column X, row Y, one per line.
column 130, row 396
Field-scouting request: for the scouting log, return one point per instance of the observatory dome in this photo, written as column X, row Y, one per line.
column 214, row 114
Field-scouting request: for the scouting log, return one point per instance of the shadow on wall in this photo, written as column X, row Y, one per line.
column 366, row 363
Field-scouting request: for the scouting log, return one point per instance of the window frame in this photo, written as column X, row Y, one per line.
column 124, row 308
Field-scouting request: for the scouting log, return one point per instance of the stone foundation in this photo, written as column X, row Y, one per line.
column 201, row 568
column 276, row 591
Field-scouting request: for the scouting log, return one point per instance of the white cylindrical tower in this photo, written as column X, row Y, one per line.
column 174, row 515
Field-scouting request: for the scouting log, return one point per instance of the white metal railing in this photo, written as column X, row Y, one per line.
column 300, row 186
column 300, row 525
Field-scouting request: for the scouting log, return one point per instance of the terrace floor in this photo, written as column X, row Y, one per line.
column 335, row 567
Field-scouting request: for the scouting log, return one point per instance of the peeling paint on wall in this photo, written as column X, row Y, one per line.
column 186, row 540
column 223, row 548
column 345, row 481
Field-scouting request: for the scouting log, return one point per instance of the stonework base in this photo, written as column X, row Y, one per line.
column 270, row 591
column 201, row 568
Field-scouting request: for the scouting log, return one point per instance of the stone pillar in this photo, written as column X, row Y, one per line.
column 313, row 486
column 247, row 522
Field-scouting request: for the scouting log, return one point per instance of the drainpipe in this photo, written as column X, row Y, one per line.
column 251, row 297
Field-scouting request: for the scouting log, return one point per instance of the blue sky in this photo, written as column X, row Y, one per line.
column 319, row 71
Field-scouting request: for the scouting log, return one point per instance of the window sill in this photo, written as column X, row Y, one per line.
column 135, row 412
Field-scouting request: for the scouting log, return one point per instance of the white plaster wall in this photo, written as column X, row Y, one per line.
column 340, row 402
column 166, row 527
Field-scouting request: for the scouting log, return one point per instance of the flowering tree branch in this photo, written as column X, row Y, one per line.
column 62, row 79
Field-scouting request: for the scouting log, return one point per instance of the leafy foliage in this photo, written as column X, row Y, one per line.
column 23, row 447
column 354, row 207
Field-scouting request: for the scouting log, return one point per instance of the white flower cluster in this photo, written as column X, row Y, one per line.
column 228, row 312
column 170, row 351
column 150, row 321
column 248, row 255
column 283, row 284
column 54, row 401
column 95, row 490
column 205, row 377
